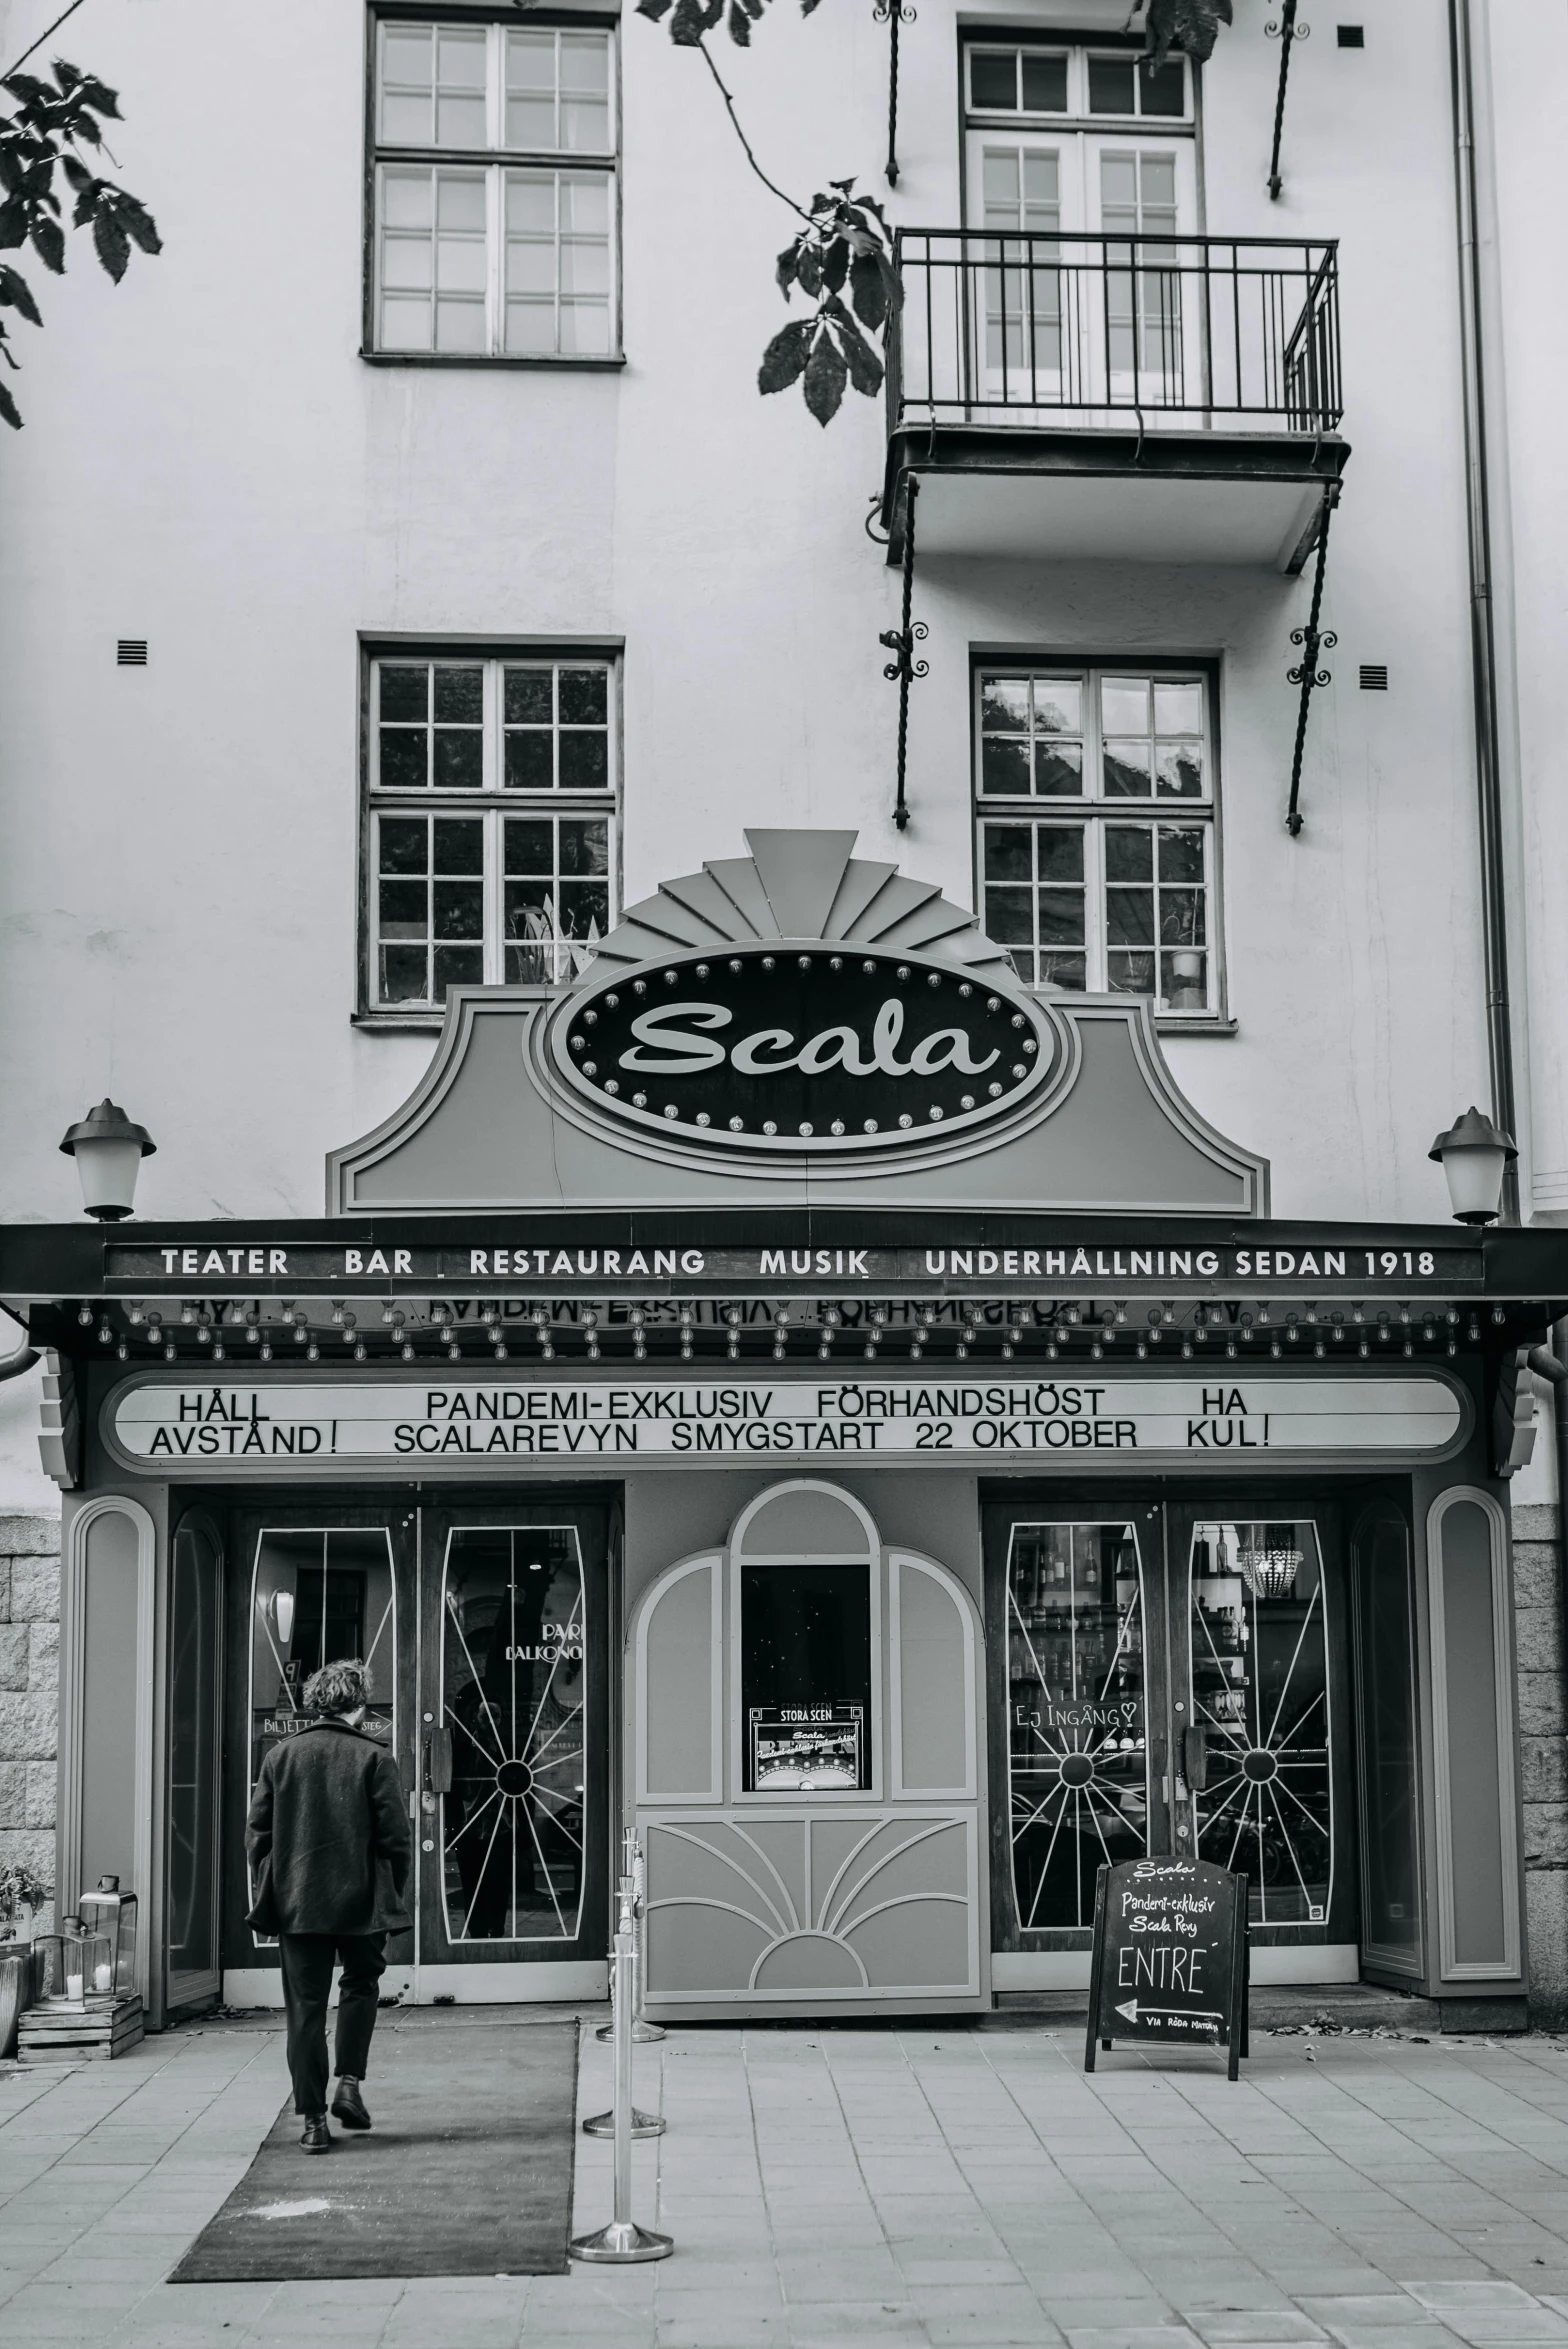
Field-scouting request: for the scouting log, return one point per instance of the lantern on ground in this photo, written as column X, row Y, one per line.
column 72, row 1962
column 112, row 1914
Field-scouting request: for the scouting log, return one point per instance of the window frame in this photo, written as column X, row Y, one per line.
column 1095, row 811
column 495, row 163
column 491, row 802
column 1078, row 49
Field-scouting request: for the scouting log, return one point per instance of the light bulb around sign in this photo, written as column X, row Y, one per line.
column 790, row 1054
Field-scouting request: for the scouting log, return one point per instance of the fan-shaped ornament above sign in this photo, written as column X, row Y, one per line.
column 803, row 1001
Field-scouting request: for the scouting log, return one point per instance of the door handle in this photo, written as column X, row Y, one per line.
column 438, row 1761
column 1195, row 1757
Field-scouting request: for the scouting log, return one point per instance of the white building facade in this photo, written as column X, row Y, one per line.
column 403, row 580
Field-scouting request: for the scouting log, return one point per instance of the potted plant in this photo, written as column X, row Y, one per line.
column 22, row 1894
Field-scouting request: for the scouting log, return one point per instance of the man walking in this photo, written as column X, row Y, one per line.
column 330, row 1856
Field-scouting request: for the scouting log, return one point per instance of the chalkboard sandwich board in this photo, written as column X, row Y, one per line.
column 1170, row 1957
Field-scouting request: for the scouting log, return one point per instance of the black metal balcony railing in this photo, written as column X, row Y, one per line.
column 1196, row 331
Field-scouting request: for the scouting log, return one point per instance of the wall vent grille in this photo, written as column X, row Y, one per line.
column 1374, row 676
column 1351, row 36
column 131, row 652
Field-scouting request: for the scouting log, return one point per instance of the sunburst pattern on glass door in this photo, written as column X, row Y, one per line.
column 1260, row 1690
column 513, row 1683
column 1077, row 1734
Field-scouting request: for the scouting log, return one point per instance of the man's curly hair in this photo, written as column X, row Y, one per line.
column 338, row 1688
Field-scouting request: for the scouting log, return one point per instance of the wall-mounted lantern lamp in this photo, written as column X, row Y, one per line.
column 1473, row 1154
column 108, row 1150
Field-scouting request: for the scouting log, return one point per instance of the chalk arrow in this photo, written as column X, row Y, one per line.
column 1160, row 2014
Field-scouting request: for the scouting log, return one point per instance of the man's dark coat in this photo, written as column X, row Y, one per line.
column 328, row 1836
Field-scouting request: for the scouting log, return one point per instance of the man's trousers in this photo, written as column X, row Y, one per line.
column 307, row 1983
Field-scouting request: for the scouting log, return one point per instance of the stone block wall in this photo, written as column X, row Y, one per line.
column 29, row 1689
column 1543, row 1756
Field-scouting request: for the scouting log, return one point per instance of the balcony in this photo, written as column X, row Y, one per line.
column 1167, row 399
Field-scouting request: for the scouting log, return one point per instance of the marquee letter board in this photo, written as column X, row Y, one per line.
column 1170, row 1957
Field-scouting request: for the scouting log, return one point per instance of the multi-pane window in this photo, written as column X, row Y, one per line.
column 1007, row 79
column 1095, row 810
column 495, row 190
column 491, row 822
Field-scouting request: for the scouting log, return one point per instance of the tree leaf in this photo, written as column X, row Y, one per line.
column 739, row 25
column 1192, row 25
column 835, row 263
column 786, row 355
column 9, row 410
column 866, row 290
column 110, row 242
column 13, row 225
column 16, row 294
column 865, row 367
column 690, row 22
column 808, row 268
column 826, row 376
column 141, row 224
column 98, row 96
column 49, row 243
column 657, row 9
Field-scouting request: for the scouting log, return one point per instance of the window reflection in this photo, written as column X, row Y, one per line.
column 1077, row 1734
column 1260, row 1689
column 513, row 1678
column 318, row 1596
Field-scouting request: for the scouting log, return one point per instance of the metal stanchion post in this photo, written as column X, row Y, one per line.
column 623, row 2240
column 623, row 1991
column 635, row 1867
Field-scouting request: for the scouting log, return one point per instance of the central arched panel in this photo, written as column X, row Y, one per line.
column 804, row 1751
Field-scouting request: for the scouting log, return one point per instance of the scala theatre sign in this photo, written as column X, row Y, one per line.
column 243, row 1425
column 804, row 1052
column 798, row 1025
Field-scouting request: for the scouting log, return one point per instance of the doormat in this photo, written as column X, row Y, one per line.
column 467, row 2171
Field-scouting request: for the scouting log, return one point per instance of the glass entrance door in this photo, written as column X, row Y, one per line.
column 512, row 1762
column 484, row 1630
column 1169, row 1677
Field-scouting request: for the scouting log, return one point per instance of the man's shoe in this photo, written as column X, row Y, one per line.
column 317, row 2137
column 348, row 2105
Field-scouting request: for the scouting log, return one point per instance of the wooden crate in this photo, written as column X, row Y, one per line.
column 63, row 2034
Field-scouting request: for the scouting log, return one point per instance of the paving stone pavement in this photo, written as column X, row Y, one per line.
column 877, row 2188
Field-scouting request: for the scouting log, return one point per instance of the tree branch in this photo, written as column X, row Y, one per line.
column 44, row 35
column 746, row 143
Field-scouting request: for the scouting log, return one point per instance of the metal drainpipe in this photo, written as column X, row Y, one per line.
column 1483, row 648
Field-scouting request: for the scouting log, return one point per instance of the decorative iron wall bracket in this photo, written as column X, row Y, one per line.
column 892, row 13
column 901, row 642
column 1313, row 641
column 1286, row 32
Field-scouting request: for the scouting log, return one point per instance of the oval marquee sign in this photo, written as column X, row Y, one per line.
column 787, row 1048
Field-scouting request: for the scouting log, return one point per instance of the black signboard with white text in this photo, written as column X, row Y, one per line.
column 1170, row 1957
column 780, row 1050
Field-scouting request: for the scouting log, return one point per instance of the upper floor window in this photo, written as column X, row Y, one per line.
column 490, row 822
column 1095, row 825
column 495, row 190
column 1073, row 141
column 1005, row 78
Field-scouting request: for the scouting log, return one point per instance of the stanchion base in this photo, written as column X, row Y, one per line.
column 621, row 2241
column 643, row 2034
column 644, row 2124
